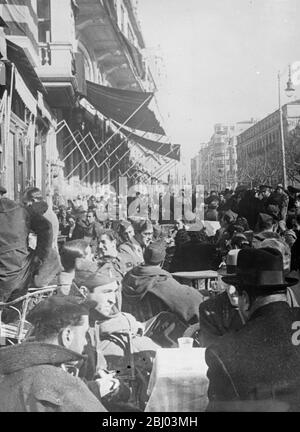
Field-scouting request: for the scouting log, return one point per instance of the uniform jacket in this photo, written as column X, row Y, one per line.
column 134, row 250
column 259, row 362
column 32, row 380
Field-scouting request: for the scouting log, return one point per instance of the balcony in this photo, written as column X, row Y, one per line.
column 57, row 71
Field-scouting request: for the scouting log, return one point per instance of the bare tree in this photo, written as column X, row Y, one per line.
column 292, row 150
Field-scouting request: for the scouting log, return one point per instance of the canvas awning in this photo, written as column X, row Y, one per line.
column 17, row 56
column 124, row 106
column 171, row 151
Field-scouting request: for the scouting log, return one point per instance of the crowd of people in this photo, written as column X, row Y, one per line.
column 88, row 348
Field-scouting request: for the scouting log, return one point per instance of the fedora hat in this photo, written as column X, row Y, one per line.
column 261, row 268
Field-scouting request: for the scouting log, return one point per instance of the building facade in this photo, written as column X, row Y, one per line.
column 215, row 165
column 51, row 134
column 259, row 155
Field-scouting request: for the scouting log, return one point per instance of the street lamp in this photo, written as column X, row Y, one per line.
column 289, row 92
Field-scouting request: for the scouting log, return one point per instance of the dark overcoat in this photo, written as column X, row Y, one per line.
column 217, row 317
column 260, row 362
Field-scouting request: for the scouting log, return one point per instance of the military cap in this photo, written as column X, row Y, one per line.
column 55, row 307
column 155, row 253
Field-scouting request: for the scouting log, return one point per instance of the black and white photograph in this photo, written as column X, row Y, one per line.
column 149, row 209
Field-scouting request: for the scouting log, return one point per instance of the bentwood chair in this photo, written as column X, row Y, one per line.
column 18, row 330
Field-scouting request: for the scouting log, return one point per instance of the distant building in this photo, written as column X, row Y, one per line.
column 259, row 157
column 215, row 165
column 51, row 135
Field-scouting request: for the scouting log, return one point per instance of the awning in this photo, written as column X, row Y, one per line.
column 172, row 151
column 24, row 93
column 17, row 56
column 2, row 22
column 121, row 105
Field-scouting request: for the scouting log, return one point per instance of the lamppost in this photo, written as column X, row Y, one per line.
column 289, row 92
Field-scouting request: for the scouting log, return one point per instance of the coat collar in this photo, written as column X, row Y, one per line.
column 18, row 357
column 270, row 309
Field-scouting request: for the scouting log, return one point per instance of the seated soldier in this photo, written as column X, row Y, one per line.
column 129, row 245
column 111, row 260
column 107, row 315
column 148, row 290
column 115, row 334
column 35, row 375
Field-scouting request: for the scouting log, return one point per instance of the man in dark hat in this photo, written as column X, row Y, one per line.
column 260, row 362
column 220, row 315
column 41, row 376
column 148, row 290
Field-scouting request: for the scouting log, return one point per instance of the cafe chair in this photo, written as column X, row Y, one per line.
column 20, row 329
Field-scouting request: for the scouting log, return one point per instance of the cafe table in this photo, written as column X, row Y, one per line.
column 201, row 280
column 178, row 382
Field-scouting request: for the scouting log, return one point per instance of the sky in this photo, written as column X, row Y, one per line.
column 220, row 60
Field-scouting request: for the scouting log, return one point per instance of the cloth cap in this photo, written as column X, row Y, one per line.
column 55, row 307
column 154, row 254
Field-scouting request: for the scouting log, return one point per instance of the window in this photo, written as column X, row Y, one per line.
column 44, row 20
